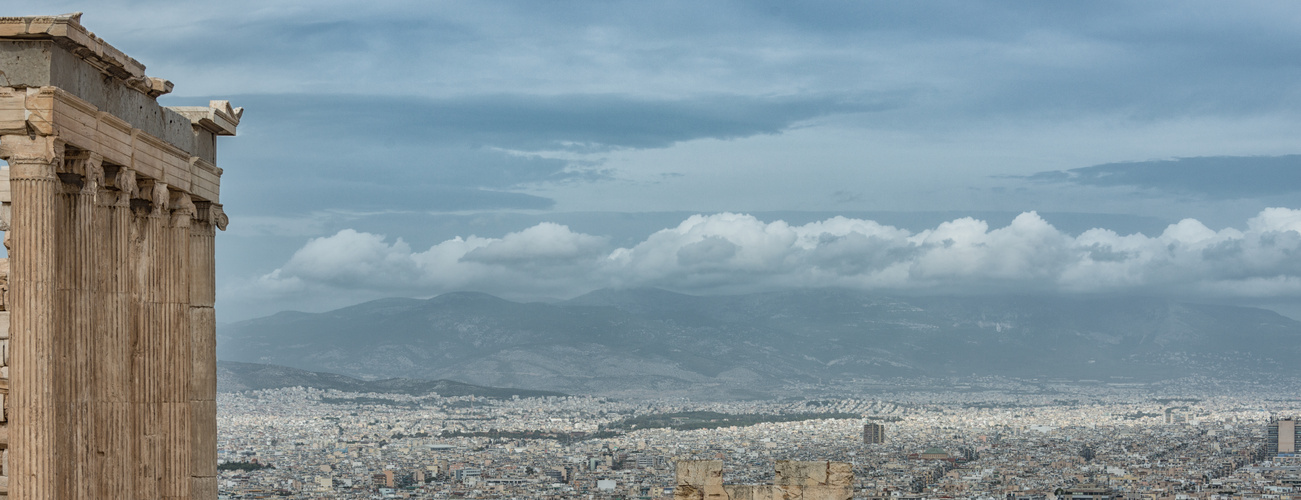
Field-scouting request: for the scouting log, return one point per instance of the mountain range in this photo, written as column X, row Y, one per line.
column 648, row 340
column 233, row 376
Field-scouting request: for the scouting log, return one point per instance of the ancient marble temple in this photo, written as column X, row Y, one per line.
column 107, row 336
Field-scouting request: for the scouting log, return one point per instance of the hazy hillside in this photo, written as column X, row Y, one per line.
column 234, row 376
column 647, row 339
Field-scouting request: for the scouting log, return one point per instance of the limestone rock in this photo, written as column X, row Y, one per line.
column 795, row 480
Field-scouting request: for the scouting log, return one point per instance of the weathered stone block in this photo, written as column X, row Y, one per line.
column 791, row 472
column 6, row 196
column 700, row 472
column 748, row 492
column 699, row 480
column 795, row 480
column 840, row 474
column 203, row 487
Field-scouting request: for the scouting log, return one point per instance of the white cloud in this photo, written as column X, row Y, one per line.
column 350, row 258
column 730, row 252
column 547, row 243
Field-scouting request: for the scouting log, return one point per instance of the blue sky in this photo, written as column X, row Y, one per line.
column 544, row 149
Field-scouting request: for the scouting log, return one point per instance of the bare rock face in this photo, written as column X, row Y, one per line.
column 795, row 480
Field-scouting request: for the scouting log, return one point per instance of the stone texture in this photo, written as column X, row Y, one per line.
column 794, row 480
column 109, row 207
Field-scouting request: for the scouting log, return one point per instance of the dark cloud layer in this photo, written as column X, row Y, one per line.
column 533, row 123
column 978, row 59
column 1217, row 177
column 405, row 153
column 458, row 100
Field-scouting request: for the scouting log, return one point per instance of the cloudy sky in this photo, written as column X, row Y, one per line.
column 545, row 149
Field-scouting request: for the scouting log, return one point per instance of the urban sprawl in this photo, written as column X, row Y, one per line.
column 996, row 439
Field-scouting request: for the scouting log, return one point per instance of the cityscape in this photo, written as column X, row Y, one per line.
column 997, row 439
column 628, row 250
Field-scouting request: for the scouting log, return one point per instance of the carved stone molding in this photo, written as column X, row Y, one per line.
column 211, row 213
column 125, row 181
column 156, row 193
column 219, row 117
column 219, row 216
column 82, row 173
column 92, row 174
column 183, row 208
column 161, row 197
column 31, row 157
column 203, row 212
column 67, row 31
column 54, row 112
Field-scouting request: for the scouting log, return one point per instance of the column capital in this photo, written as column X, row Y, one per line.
column 155, row 192
column 31, row 157
column 87, row 168
column 93, row 171
column 124, row 180
column 211, row 213
column 183, row 209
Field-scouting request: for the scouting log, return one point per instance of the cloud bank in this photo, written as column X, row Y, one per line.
column 474, row 153
column 728, row 252
column 1213, row 177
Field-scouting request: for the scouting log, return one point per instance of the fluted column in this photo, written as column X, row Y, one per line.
column 111, row 362
column 203, row 350
column 148, row 243
column 74, row 219
column 33, row 180
column 178, row 349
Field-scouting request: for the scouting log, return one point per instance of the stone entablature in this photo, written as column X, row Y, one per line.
column 67, row 30
column 41, row 52
column 54, row 112
column 794, row 480
column 109, row 205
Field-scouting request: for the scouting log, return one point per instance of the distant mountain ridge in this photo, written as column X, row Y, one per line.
column 234, row 376
column 650, row 339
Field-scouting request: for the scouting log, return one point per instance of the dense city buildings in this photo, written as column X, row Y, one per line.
column 803, row 480
column 999, row 439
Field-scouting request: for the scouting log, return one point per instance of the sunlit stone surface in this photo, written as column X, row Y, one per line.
column 794, row 480
column 109, row 207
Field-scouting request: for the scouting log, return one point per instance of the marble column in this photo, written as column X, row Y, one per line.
column 148, row 360
column 111, row 362
column 35, row 184
column 203, row 350
column 177, row 342
column 74, row 220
